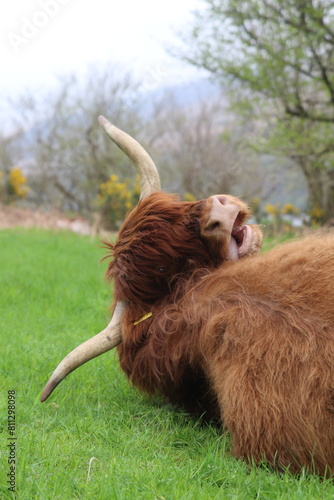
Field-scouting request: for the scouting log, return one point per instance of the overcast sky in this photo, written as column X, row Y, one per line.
column 41, row 39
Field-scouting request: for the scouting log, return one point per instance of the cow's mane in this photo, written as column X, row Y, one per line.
column 160, row 354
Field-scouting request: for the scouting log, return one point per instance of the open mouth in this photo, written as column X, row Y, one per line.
column 241, row 241
column 226, row 225
column 238, row 233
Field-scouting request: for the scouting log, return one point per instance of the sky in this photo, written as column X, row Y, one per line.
column 44, row 39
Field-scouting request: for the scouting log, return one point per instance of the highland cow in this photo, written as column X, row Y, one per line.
column 204, row 319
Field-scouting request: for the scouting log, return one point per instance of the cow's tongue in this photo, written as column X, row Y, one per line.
column 233, row 253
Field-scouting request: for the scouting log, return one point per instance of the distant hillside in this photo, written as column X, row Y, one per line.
column 186, row 94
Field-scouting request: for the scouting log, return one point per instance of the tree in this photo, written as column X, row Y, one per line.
column 65, row 152
column 279, row 57
column 193, row 145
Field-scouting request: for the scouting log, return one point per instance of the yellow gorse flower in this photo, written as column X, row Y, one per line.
column 316, row 214
column 189, row 197
column 290, row 209
column 117, row 197
column 273, row 209
column 17, row 183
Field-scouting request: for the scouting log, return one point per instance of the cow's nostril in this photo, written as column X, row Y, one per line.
column 222, row 200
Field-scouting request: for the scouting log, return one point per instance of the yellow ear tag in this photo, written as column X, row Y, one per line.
column 146, row 316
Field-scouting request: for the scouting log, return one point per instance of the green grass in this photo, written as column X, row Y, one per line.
column 272, row 241
column 53, row 297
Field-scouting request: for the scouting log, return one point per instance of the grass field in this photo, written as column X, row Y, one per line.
column 97, row 437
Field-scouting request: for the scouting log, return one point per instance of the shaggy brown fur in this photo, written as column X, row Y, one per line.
column 250, row 342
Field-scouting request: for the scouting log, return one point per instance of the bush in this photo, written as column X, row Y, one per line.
column 115, row 199
column 13, row 185
column 316, row 215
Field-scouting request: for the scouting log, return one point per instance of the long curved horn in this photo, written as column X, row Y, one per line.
column 107, row 339
column 111, row 336
column 149, row 175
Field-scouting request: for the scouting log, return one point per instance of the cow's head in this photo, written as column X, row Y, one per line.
column 164, row 238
